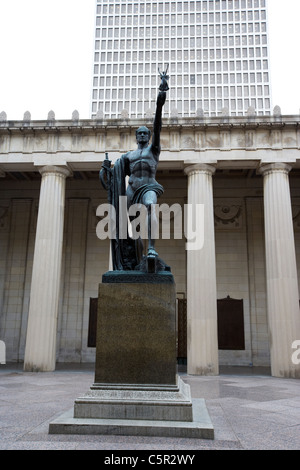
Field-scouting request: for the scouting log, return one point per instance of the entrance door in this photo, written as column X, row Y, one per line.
column 231, row 324
column 182, row 331
column 92, row 323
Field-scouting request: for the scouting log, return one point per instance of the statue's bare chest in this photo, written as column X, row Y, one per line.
column 142, row 160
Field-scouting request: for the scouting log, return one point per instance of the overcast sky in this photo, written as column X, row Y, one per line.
column 46, row 56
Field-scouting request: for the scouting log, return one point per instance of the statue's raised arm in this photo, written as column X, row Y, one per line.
column 158, row 123
column 163, row 88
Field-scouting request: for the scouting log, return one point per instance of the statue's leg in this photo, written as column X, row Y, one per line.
column 139, row 246
column 149, row 200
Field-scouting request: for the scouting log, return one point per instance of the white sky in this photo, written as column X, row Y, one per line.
column 46, row 56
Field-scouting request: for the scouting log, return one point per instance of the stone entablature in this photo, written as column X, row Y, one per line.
column 227, row 142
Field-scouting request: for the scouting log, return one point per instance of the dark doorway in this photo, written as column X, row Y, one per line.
column 182, row 331
column 231, row 324
column 92, row 323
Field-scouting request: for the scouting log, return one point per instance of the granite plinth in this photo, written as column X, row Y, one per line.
column 136, row 333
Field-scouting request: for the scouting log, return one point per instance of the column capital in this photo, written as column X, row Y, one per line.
column 267, row 168
column 62, row 171
column 200, row 168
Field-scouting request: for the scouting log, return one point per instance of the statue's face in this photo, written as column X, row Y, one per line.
column 143, row 135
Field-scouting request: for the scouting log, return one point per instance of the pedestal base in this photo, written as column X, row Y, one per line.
column 201, row 427
column 137, row 410
column 146, row 403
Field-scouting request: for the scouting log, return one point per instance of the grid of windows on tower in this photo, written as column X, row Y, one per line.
column 216, row 52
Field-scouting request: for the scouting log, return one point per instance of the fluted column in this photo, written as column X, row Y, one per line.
column 282, row 281
column 202, row 338
column 40, row 350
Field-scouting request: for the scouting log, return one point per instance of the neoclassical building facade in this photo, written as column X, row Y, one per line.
column 238, row 296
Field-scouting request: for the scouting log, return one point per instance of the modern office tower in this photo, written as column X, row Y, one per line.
column 216, row 52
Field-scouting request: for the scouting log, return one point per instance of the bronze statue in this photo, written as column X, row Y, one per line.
column 140, row 165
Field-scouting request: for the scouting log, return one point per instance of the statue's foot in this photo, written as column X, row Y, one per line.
column 152, row 253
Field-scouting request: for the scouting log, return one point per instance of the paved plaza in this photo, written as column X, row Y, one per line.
column 248, row 408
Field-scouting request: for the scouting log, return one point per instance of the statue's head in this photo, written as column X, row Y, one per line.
column 143, row 134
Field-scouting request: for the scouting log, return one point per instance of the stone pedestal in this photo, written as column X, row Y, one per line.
column 136, row 334
column 136, row 390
